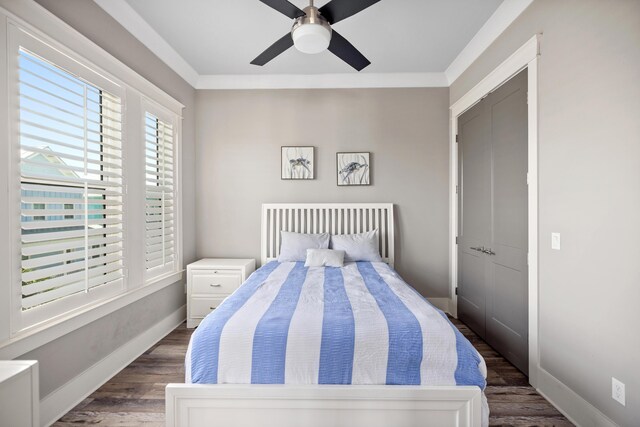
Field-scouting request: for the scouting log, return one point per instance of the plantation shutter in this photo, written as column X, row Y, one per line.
column 71, row 186
column 160, row 200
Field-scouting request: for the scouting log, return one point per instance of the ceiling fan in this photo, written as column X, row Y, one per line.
column 312, row 32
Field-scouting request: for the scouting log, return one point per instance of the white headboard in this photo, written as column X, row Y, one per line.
column 334, row 218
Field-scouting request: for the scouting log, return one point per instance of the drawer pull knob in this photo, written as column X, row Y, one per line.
column 211, row 308
column 215, row 285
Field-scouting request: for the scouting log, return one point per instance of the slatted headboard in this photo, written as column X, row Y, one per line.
column 334, row 218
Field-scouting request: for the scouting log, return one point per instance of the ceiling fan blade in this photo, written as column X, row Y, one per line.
column 344, row 50
column 274, row 50
column 284, row 7
column 337, row 10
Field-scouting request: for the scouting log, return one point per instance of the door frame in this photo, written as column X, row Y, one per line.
column 525, row 57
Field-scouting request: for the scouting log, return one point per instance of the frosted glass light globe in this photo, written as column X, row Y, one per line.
column 311, row 38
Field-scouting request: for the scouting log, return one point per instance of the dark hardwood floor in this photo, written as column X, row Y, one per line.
column 135, row 396
column 512, row 401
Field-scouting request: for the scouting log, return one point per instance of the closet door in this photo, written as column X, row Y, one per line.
column 492, row 242
column 474, row 201
column 507, row 291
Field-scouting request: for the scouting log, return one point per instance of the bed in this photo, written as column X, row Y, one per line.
column 318, row 346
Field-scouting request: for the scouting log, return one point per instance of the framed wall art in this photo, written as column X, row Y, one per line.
column 297, row 162
column 353, row 168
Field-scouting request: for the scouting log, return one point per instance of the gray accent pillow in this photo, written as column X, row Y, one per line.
column 324, row 258
column 293, row 246
column 358, row 247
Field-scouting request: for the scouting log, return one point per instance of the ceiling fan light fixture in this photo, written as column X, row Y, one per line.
column 311, row 38
column 311, row 33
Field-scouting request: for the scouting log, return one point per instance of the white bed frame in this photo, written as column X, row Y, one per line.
column 334, row 218
column 243, row 405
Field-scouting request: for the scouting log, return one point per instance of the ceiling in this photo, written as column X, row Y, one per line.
column 205, row 39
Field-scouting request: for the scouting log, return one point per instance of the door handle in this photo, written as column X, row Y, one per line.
column 484, row 250
column 215, row 285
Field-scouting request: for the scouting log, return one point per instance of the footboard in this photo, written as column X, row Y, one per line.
column 227, row 405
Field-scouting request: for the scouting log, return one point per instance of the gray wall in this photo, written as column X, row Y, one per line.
column 589, row 189
column 71, row 354
column 61, row 360
column 239, row 134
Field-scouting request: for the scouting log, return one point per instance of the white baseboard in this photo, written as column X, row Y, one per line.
column 62, row 400
column 441, row 303
column 573, row 406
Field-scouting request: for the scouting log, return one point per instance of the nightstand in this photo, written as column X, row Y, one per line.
column 210, row 281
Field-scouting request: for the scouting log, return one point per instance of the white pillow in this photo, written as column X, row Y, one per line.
column 294, row 246
column 324, row 258
column 358, row 247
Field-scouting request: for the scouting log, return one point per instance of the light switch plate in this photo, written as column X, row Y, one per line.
column 555, row 241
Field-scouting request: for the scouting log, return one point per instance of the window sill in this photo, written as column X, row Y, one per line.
column 45, row 332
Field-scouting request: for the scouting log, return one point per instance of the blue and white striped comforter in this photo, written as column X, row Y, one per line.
column 359, row 324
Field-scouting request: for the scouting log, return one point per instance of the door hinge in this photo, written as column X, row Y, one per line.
column 456, row 290
column 456, row 240
column 456, row 189
column 457, row 138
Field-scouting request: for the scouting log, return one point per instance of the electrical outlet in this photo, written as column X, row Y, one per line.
column 555, row 241
column 617, row 391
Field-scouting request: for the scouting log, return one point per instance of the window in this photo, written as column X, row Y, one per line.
column 89, row 231
column 160, row 218
column 71, row 184
column 69, row 206
column 39, row 206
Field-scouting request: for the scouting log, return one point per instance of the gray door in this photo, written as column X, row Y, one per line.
column 474, row 195
column 492, row 244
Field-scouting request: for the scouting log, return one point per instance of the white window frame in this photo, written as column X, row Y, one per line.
column 16, row 337
column 20, row 38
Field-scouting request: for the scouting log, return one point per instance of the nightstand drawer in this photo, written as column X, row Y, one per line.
column 200, row 307
column 215, row 281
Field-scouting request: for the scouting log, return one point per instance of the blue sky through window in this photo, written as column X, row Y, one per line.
column 52, row 116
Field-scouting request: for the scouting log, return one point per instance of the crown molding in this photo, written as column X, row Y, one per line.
column 504, row 16
column 322, row 81
column 122, row 12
